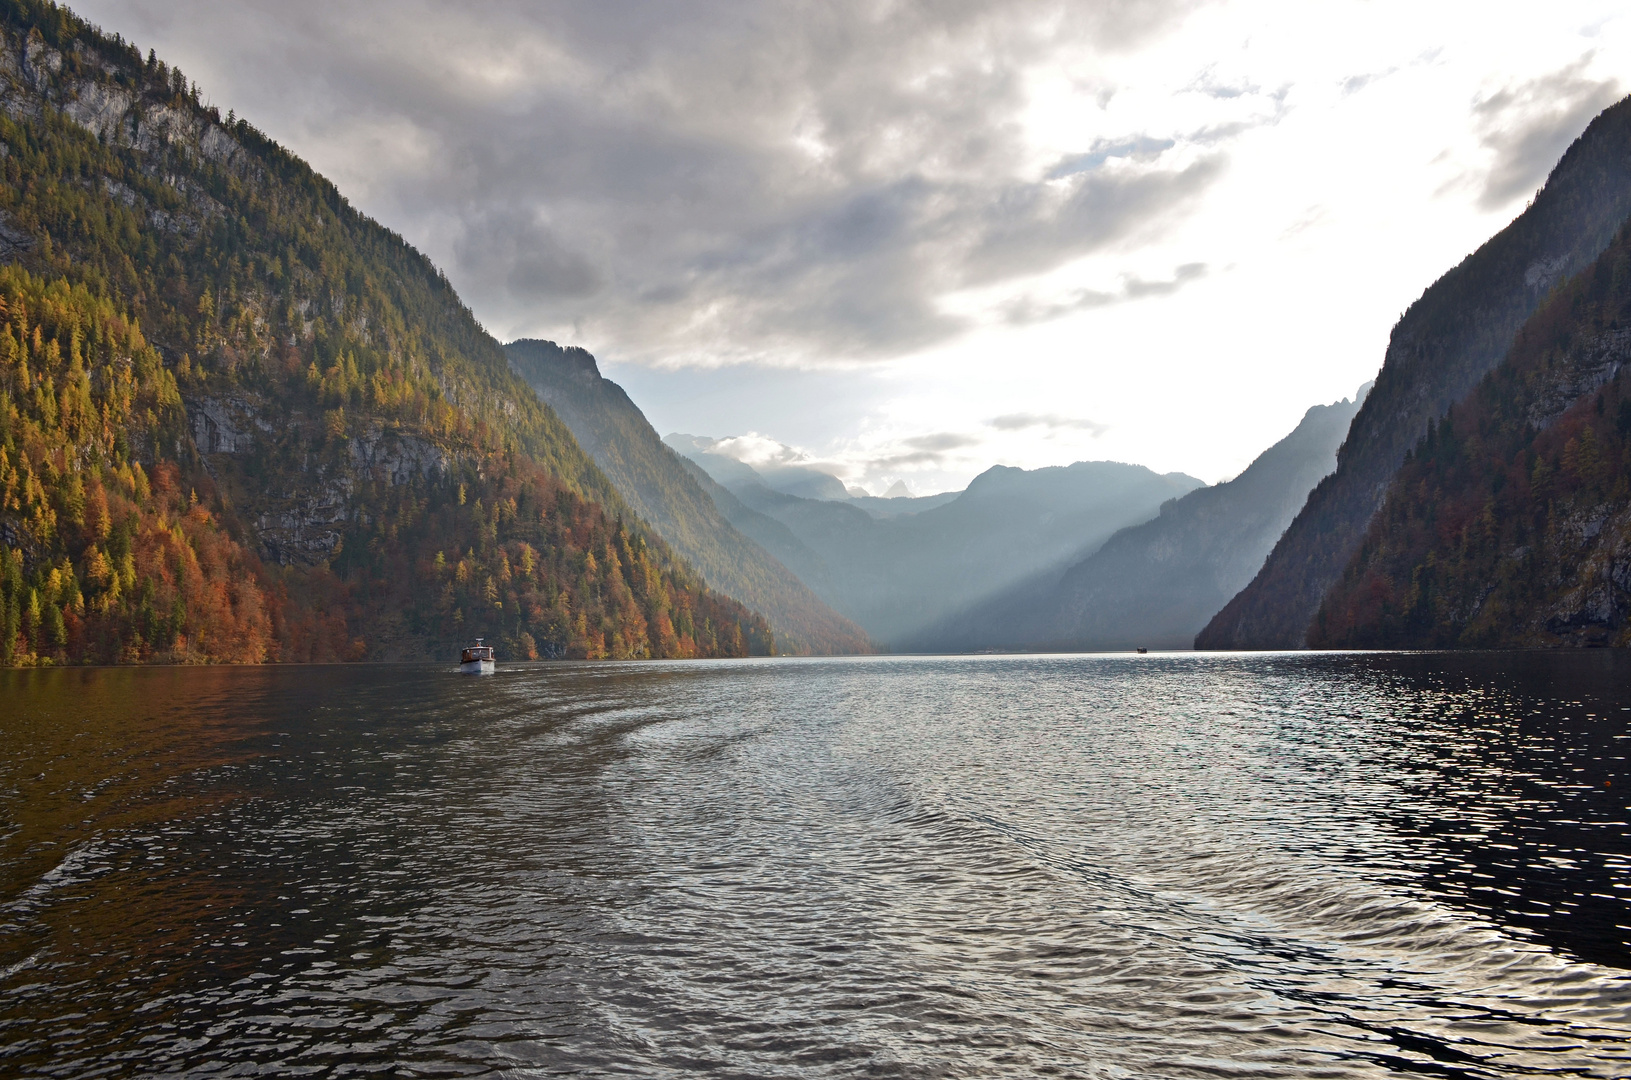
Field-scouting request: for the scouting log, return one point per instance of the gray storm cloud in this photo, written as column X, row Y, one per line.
column 1528, row 126
column 799, row 181
column 941, row 441
column 1052, row 421
column 1029, row 310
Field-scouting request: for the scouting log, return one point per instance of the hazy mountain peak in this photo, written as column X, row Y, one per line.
column 736, row 460
column 1003, row 480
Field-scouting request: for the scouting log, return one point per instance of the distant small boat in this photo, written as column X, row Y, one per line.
column 1141, row 652
column 477, row 659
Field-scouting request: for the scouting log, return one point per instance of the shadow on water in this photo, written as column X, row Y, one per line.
column 1522, row 759
column 179, row 845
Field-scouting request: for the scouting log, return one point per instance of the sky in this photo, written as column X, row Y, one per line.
column 909, row 241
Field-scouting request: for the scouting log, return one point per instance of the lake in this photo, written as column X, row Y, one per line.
column 1300, row 865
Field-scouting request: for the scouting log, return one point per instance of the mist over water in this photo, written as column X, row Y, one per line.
column 1195, row 865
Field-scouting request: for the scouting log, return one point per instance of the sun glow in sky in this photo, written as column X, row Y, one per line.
column 910, row 243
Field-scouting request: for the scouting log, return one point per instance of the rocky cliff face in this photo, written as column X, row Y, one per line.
column 1509, row 523
column 299, row 516
column 1157, row 583
column 1445, row 343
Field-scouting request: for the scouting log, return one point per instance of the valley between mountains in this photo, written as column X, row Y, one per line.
column 242, row 422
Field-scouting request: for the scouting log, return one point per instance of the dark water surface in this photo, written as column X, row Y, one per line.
column 1187, row 866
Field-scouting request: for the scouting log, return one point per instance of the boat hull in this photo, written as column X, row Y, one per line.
column 476, row 667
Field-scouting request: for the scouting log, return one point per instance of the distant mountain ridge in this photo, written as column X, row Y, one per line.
column 800, row 480
column 897, row 575
column 1458, row 330
column 1156, row 584
column 656, row 483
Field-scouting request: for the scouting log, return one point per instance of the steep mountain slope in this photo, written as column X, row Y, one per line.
column 897, row 575
column 655, row 483
column 241, row 421
column 766, row 531
column 1449, row 339
column 1156, row 584
column 1510, row 522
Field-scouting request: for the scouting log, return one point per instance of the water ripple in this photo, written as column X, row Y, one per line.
column 1187, row 866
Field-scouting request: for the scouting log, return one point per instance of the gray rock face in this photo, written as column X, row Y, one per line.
column 31, row 77
column 1601, row 360
column 39, row 62
column 304, row 529
column 1593, row 593
column 221, row 426
column 1446, row 342
column 302, row 525
column 396, row 458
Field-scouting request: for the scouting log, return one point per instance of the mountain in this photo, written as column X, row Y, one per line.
column 1443, row 345
column 722, row 467
column 799, row 480
column 888, row 506
column 1157, row 583
column 900, row 574
column 767, row 532
column 240, row 421
column 655, row 482
column 1509, row 523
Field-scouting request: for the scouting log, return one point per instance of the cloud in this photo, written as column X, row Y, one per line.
column 914, row 454
column 941, row 442
column 510, row 249
column 1027, row 310
column 1033, row 228
column 758, row 450
column 1052, row 421
column 801, row 182
column 1138, row 148
column 911, row 459
column 874, row 462
column 1528, row 126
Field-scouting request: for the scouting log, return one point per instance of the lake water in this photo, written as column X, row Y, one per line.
column 1156, row 866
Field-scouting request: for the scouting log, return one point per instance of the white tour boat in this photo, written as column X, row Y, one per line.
column 477, row 659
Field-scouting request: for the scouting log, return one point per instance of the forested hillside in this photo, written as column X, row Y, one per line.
column 1444, row 344
column 243, row 422
column 655, row 482
column 1509, row 523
